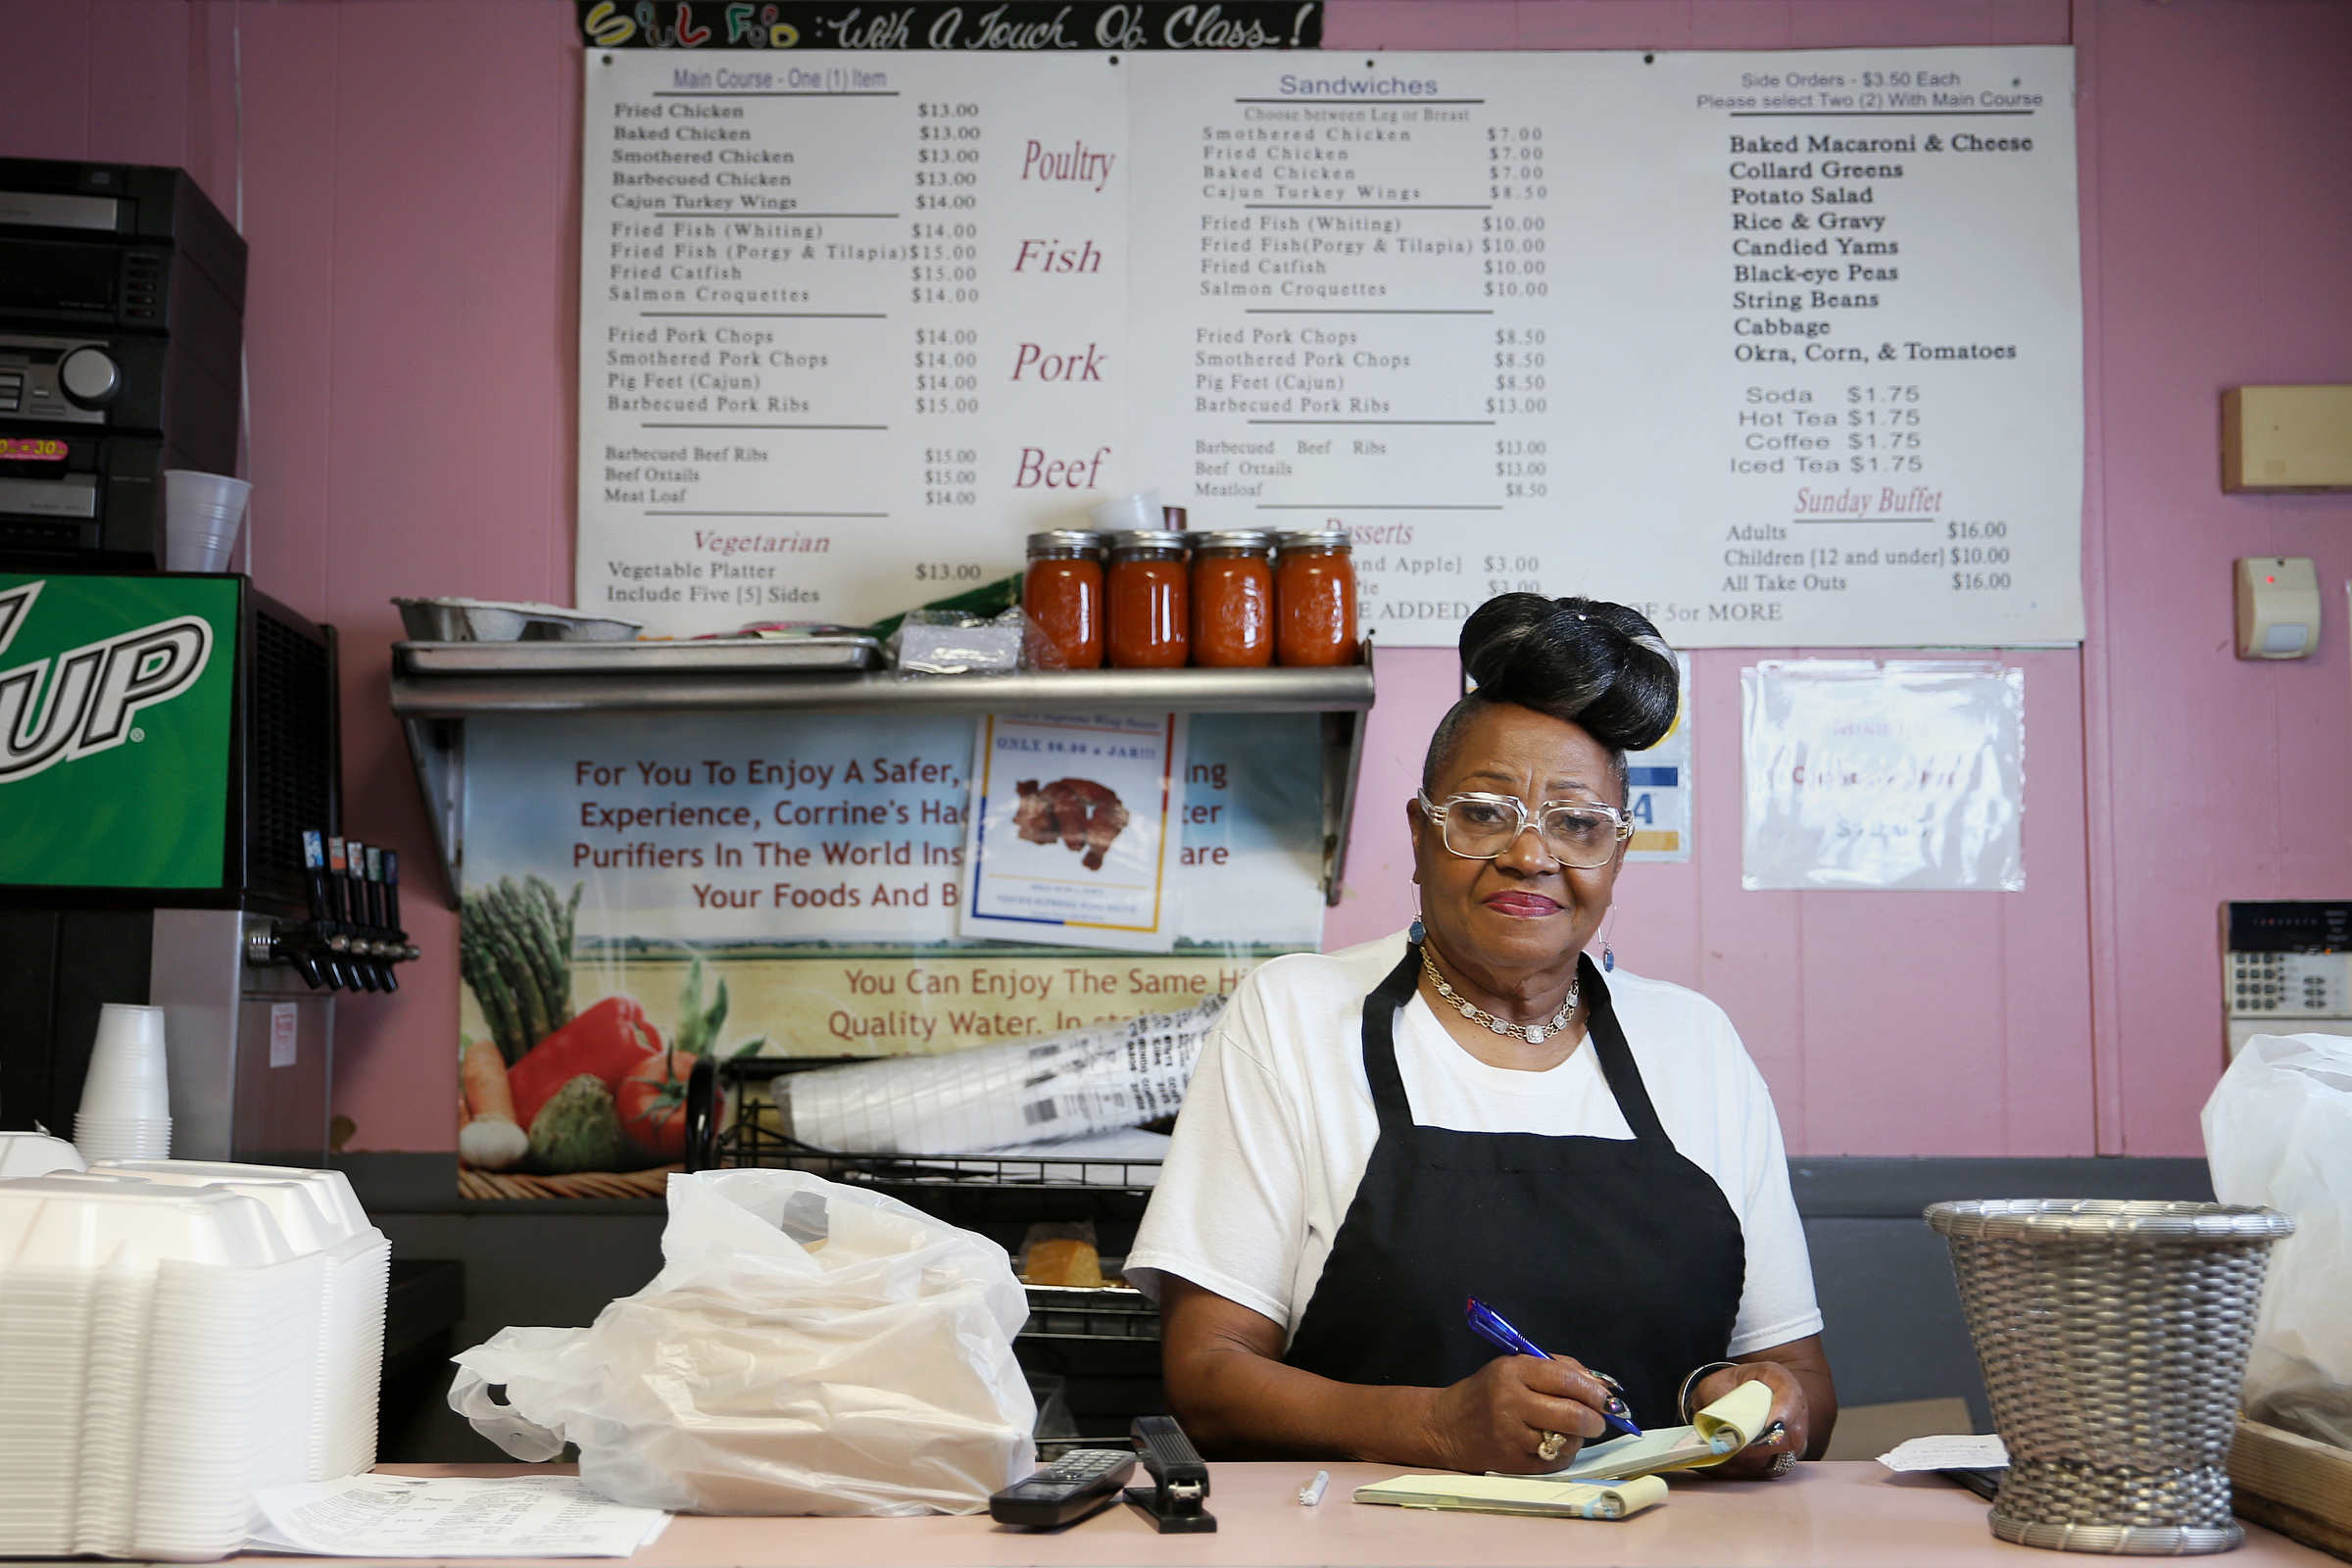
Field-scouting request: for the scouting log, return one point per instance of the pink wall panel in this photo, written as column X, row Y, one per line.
column 454, row 148
column 1844, row 23
column 292, row 207
column 137, row 81
column 44, row 79
column 409, row 171
column 2224, row 204
column 1739, row 24
column 1603, row 25
column 1418, row 24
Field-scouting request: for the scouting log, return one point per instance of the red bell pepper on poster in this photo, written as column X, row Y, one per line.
column 607, row 1042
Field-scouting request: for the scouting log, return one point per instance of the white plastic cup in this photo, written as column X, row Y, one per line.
column 201, row 514
column 97, row 1138
column 127, row 1077
column 1141, row 509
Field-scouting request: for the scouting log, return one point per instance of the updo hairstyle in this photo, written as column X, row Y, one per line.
column 1585, row 662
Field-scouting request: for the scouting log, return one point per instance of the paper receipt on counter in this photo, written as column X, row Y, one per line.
column 1983, row 1452
column 451, row 1516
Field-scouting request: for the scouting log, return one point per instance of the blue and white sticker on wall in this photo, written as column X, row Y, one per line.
column 1657, row 790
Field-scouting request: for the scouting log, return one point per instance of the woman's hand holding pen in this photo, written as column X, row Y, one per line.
column 1497, row 1417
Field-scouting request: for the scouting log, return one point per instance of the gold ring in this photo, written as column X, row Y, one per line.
column 1551, row 1447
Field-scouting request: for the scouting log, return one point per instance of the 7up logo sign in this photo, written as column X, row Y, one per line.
column 82, row 701
column 116, row 708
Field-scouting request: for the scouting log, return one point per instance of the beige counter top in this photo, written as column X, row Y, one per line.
column 1830, row 1514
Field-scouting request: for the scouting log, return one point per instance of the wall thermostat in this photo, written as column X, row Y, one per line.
column 2278, row 607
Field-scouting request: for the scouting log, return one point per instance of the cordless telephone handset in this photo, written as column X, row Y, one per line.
column 1065, row 1491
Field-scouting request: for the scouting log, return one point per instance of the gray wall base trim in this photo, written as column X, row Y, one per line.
column 1850, row 1187
column 1871, row 1187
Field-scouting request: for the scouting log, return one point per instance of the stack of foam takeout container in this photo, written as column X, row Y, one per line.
column 174, row 1337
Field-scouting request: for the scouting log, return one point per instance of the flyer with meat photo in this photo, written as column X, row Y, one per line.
column 1070, row 836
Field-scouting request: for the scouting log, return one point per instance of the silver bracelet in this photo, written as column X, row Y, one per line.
column 1681, row 1399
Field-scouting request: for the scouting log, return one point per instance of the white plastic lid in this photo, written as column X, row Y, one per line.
column 294, row 1204
column 71, row 1221
column 330, row 1188
column 35, row 1154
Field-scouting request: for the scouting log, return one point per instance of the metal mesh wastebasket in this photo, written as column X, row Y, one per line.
column 2113, row 1337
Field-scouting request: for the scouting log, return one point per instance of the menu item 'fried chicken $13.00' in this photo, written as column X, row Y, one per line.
column 1080, row 813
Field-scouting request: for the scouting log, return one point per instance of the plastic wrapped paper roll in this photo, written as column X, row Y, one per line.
column 1072, row 1085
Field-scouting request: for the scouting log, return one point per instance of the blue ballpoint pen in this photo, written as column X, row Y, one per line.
column 1491, row 1325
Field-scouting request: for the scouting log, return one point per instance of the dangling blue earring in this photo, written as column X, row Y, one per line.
column 1608, row 957
column 1414, row 933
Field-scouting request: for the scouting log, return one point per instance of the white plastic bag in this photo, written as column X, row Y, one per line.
column 869, row 1371
column 2279, row 1132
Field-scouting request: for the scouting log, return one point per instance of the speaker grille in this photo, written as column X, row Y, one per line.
column 291, row 734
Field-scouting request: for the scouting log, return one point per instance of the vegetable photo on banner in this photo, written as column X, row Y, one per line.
column 489, row 1138
column 653, row 1097
column 515, row 944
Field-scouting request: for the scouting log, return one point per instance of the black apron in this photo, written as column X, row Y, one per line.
column 1620, row 1253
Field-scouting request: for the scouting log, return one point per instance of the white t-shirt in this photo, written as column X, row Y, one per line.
column 1278, row 1124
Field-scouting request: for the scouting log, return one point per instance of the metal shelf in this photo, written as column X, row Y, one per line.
column 1081, row 1312
column 436, row 687
column 714, row 1141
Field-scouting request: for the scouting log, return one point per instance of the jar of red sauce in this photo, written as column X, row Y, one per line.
column 1314, row 600
column 1148, row 619
column 1062, row 594
column 1233, row 599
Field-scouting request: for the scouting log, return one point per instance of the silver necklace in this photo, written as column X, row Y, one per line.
column 1535, row 1034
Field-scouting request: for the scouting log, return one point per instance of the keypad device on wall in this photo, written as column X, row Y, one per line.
column 2286, row 968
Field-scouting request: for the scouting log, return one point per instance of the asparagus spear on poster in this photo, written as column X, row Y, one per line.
column 1072, row 834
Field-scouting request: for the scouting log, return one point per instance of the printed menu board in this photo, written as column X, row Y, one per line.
column 1784, row 348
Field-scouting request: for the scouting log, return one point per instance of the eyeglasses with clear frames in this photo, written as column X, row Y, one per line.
column 1477, row 826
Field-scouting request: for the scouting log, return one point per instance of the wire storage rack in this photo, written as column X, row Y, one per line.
column 730, row 1122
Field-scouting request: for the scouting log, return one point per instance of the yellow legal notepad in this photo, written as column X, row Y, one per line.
column 1713, row 1436
column 1527, row 1495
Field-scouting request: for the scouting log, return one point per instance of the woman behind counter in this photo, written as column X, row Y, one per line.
column 1470, row 1109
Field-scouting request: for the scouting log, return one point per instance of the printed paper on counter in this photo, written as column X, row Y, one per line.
column 451, row 1516
column 1070, row 836
column 1984, row 1451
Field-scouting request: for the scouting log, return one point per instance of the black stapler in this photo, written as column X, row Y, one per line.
column 1180, row 1479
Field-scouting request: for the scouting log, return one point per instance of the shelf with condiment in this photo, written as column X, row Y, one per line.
column 1159, row 599
column 437, row 687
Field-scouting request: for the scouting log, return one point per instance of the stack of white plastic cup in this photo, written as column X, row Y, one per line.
column 202, row 513
column 1141, row 510
column 126, row 1099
